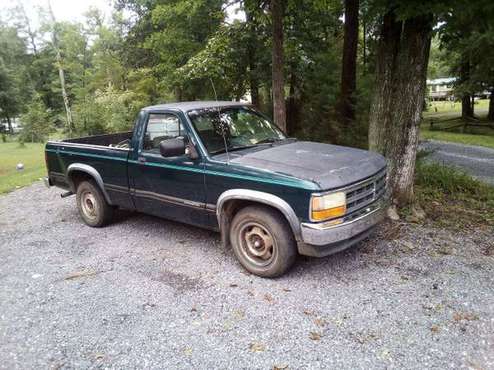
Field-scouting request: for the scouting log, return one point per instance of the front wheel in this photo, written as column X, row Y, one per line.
column 263, row 241
column 92, row 206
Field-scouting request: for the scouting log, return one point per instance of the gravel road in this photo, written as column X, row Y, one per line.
column 475, row 160
column 149, row 293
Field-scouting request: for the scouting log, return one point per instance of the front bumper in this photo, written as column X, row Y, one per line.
column 322, row 239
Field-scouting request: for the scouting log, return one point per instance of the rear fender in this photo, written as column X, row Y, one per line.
column 92, row 172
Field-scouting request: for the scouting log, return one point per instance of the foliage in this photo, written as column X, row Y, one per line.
column 36, row 122
column 452, row 197
column 110, row 110
column 14, row 81
column 152, row 51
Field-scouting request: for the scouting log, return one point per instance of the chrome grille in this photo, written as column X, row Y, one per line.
column 366, row 192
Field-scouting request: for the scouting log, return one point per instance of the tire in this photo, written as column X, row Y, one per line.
column 92, row 206
column 262, row 241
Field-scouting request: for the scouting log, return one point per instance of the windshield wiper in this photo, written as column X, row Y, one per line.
column 269, row 140
column 232, row 149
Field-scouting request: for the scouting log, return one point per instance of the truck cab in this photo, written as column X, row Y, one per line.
column 226, row 167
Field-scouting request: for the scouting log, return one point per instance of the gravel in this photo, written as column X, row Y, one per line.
column 149, row 293
column 475, row 160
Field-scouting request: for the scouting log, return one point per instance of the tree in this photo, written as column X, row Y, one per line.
column 279, row 109
column 399, row 94
column 349, row 62
column 61, row 72
column 15, row 87
column 36, row 122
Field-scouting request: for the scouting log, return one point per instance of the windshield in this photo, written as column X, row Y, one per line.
column 243, row 128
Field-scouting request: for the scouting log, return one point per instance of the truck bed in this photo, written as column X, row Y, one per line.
column 119, row 139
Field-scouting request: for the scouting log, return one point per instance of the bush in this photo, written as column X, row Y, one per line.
column 110, row 110
column 37, row 122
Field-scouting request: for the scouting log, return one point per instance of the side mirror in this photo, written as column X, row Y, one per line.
column 172, row 147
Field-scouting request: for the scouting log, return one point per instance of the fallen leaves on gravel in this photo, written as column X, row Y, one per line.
column 81, row 274
column 435, row 329
column 308, row 312
column 315, row 336
column 257, row 347
column 464, row 316
column 280, row 367
column 320, row 322
column 268, row 298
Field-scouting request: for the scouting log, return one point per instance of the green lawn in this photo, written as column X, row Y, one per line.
column 447, row 115
column 33, row 158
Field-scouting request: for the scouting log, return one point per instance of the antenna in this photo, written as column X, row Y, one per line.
column 219, row 118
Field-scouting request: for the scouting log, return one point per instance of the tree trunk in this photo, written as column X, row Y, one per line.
column 251, row 54
column 293, row 105
column 396, row 110
column 279, row 109
column 466, row 99
column 61, row 73
column 346, row 106
column 466, row 106
column 9, row 125
column 364, row 47
column 490, row 115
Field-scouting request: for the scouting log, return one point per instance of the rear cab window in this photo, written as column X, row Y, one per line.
column 159, row 127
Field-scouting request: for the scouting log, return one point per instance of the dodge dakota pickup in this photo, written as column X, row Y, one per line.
column 226, row 167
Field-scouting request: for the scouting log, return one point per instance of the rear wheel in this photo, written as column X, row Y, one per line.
column 263, row 241
column 92, row 206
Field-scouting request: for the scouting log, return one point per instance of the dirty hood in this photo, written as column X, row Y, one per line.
column 329, row 166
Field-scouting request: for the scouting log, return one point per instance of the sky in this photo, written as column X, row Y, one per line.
column 64, row 10
column 73, row 10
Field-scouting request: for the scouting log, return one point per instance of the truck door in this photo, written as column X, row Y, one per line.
column 172, row 187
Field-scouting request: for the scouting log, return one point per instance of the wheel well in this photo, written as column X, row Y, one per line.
column 231, row 208
column 76, row 177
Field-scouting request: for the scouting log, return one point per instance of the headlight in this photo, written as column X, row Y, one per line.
column 324, row 207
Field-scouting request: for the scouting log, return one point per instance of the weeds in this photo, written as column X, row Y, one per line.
column 452, row 197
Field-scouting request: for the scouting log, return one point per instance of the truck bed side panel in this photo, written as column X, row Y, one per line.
column 111, row 164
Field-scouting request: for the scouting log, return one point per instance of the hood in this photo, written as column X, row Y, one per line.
column 329, row 166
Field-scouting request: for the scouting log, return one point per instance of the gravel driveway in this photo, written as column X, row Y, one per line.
column 149, row 293
column 476, row 160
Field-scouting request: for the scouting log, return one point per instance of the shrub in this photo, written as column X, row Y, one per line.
column 37, row 122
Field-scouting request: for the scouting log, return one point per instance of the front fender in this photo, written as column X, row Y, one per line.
column 259, row 197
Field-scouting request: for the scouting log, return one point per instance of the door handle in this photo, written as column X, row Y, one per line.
column 141, row 159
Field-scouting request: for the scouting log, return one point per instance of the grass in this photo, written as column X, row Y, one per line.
column 445, row 115
column 31, row 155
column 452, row 197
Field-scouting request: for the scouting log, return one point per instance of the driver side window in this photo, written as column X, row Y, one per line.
column 161, row 126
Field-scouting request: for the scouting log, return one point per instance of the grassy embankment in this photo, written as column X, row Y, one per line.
column 448, row 114
column 453, row 198
column 31, row 155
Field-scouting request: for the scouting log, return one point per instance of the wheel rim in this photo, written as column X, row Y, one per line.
column 257, row 244
column 89, row 205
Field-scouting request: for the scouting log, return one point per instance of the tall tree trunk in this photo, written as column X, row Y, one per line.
column 293, row 105
column 346, row 104
column 490, row 115
column 364, row 46
column 61, row 72
column 251, row 54
column 466, row 99
column 397, row 106
column 279, row 109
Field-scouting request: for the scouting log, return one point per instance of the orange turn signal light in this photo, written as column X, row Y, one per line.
column 325, row 214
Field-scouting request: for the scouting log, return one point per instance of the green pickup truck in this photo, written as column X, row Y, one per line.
column 226, row 167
